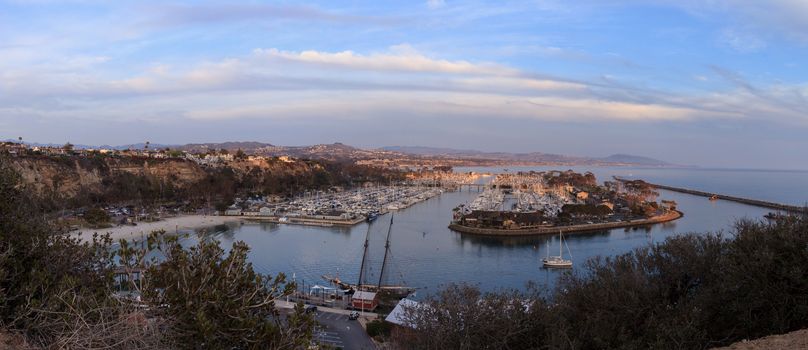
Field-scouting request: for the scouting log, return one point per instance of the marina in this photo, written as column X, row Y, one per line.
column 425, row 254
column 332, row 208
column 535, row 203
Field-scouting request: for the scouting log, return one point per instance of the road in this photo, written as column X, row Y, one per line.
column 336, row 330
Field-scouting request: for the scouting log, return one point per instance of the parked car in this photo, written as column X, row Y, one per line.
column 310, row 309
column 353, row 315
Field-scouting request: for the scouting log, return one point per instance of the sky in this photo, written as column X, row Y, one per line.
column 715, row 83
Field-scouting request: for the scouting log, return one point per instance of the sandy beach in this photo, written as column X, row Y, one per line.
column 173, row 224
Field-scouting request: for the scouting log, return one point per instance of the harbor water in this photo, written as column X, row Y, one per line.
column 425, row 254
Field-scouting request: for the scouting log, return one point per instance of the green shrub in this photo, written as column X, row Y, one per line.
column 377, row 328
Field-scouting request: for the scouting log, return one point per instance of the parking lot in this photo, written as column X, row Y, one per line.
column 338, row 331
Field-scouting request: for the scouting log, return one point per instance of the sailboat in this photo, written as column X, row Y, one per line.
column 558, row 261
column 397, row 291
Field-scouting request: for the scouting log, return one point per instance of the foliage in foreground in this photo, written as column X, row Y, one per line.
column 690, row 292
column 214, row 298
column 58, row 292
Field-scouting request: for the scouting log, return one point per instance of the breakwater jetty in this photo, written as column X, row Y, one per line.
column 755, row 202
column 547, row 230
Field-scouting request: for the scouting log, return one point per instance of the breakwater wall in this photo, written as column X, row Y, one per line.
column 755, row 202
column 667, row 216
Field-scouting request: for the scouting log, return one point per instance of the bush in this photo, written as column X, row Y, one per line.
column 97, row 217
column 58, row 292
column 378, row 328
column 55, row 290
column 214, row 298
column 690, row 292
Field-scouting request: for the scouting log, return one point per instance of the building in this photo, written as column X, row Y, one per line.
column 582, row 195
column 266, row 211
column 233, row 211
column 365, row 301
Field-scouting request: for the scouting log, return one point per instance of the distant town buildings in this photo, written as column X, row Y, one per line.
column 208, row 159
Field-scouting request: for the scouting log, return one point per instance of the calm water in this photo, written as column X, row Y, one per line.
column 426, row 254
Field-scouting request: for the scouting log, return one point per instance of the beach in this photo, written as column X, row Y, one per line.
column 172, row 224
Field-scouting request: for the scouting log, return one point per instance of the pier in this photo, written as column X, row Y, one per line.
column 307, row 221
column 753, row 202
column 477, row 187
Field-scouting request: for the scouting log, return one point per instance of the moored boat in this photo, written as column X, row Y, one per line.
column 386, row 291
column 558, row 261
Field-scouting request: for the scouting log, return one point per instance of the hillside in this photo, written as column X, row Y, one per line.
column 793, row 340
column 413, row 156
column 74, row 181
column 525, row 158
column 630, row 159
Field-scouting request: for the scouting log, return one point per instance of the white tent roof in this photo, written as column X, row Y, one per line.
column 317, row 286
column 397, row 315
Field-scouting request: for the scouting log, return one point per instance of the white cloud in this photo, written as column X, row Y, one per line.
column 290, row 85
column 402, row 58
column 741, row 42
column 434, row 4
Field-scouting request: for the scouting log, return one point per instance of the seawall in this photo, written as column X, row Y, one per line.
column 668, row 216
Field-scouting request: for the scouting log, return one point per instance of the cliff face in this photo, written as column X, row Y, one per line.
column 73, row 181
column 69, row 177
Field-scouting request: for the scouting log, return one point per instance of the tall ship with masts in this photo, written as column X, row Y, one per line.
column 384, row 290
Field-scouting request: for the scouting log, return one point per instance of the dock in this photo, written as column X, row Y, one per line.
column 307, row 221
column 753, row 202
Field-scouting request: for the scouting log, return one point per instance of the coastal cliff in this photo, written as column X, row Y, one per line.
column 76, row 181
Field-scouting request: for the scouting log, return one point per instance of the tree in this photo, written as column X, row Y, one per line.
column 97, row 217
column 240, row 154
column 461, row 317
column 216, row 299
column 692, row 291
column 58, row 292
column 55, row 290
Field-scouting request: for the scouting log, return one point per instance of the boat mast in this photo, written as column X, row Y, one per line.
column 386, row 250
column 364, row 257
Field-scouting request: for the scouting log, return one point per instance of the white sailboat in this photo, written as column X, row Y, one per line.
column 558, row 261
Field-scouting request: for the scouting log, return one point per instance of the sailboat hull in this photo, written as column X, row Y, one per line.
column 560, row 263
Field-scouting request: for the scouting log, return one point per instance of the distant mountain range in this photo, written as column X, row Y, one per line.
column 342, row 152
column 537, row 157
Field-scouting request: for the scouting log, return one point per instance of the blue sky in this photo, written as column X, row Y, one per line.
column 713, row 82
